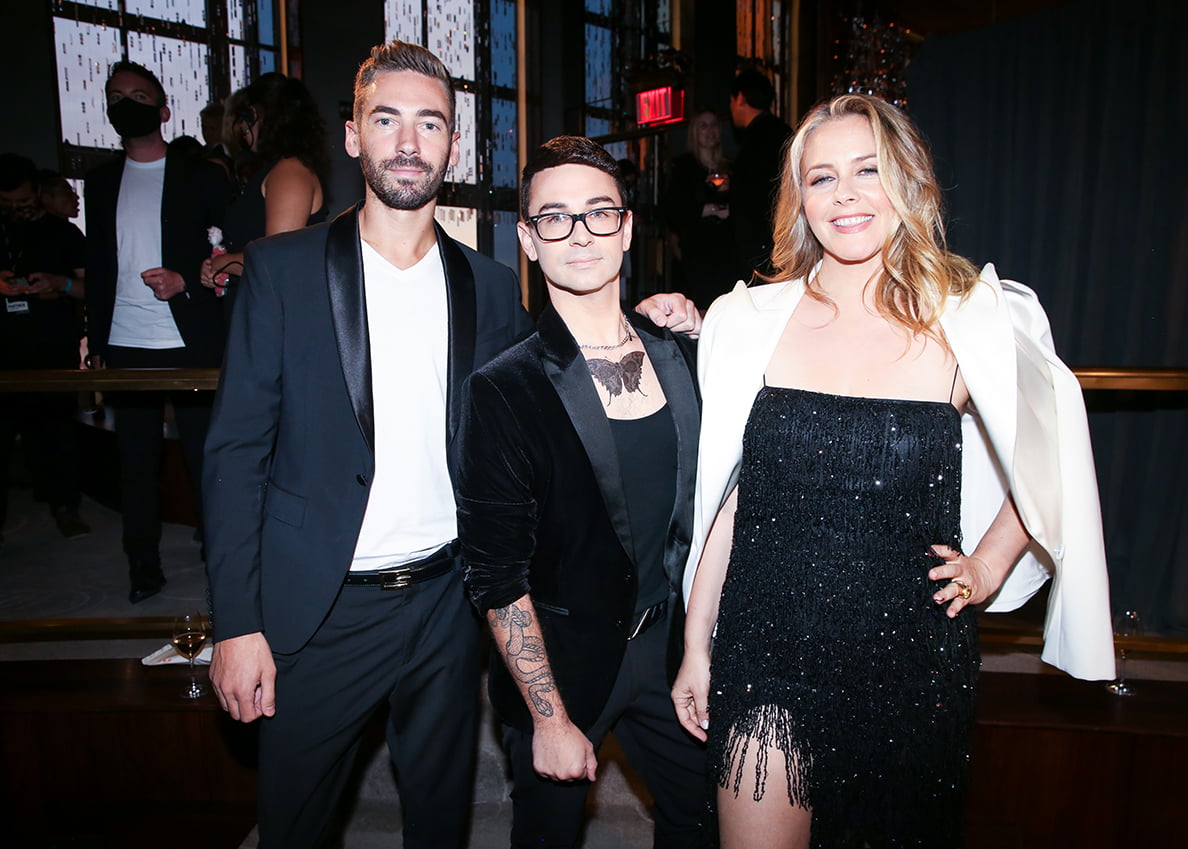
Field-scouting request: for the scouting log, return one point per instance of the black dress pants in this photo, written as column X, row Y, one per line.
column 551, row 815
column 140, row 436
column 416, row 649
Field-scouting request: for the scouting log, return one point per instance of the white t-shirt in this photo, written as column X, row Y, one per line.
column 410, row 511
column 139, row 319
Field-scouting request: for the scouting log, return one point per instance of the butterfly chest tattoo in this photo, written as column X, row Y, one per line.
column 621, row 376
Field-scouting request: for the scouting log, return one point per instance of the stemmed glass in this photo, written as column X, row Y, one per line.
column 189, row 636
column 1127, row 623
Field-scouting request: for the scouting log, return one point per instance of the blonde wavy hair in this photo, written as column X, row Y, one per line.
column 919, row 272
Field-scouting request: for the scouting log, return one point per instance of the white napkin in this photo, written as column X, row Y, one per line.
column 167, row 654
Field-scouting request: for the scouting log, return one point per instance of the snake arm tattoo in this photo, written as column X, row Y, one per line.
column 525, row 656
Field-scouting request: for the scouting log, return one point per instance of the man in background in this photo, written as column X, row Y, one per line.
column 148, row 212
column 756, row 169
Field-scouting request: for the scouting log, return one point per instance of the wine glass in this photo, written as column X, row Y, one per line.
column 189, row 636
column 1127, row 623
column 717, row 179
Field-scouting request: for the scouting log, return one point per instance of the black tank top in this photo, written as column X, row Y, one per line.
column 647, row 450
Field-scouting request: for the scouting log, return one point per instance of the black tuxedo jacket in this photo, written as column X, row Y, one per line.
column 541, row 508
column 291, row 450
column 192, row 200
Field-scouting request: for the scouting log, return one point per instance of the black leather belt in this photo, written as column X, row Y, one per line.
column 647, row 618
column 434, row 566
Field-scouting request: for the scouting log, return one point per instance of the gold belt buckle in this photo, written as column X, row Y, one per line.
column 396, row 579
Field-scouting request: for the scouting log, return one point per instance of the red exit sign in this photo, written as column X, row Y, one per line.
column 664, row 105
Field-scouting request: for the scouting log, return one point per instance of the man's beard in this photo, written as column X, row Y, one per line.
column 402, row 194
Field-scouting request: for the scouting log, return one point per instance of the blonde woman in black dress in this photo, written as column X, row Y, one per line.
column 834, row 568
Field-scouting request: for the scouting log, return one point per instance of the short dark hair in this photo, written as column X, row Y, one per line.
column 568, row 150
column 126, row 66
column 755, row 88
column 15, row 171
column 401, row 56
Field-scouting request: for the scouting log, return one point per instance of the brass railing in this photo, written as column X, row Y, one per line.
column 108, row 380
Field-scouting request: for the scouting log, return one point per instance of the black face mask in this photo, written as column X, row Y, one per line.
column 133, row 119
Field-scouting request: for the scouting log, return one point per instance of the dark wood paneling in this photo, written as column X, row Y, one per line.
column 107, row 751
column 1064, row 763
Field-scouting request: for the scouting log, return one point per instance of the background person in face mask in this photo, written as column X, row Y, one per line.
column 149, row 210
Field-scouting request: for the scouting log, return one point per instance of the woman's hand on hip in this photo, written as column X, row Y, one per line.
column 971, row 580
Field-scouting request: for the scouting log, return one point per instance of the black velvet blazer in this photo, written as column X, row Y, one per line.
column 541, row 507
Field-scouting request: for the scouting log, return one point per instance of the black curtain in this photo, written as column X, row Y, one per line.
column 1060, row 139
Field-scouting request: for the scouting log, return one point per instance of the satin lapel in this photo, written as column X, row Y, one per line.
column 460, row 295
column 673, row 372
column 566, row 369
column 348, row 313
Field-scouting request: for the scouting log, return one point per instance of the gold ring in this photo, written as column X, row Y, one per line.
column 966, row 590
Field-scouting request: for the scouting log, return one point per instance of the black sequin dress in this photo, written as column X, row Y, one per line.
column 829, row 646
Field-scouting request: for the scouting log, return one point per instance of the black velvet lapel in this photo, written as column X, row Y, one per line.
column 348, row 311
column 675, row 374
column 460, row 297
column 566, row 369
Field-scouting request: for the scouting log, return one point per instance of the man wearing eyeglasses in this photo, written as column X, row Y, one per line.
column 577, row 450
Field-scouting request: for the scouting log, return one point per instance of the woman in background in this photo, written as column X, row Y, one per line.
column 846, row 523
column 282, row 182
column 697, row 211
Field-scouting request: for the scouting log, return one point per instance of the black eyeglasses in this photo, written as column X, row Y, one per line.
column 555, row 226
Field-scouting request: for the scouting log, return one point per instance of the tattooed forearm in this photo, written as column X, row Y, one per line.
column 518, row 636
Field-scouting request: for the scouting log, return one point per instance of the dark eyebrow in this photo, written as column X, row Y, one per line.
column 591, row 203
column 112, row 91
column 421, row 113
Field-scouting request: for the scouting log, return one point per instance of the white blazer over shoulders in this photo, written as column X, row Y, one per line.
column 1025, row 432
